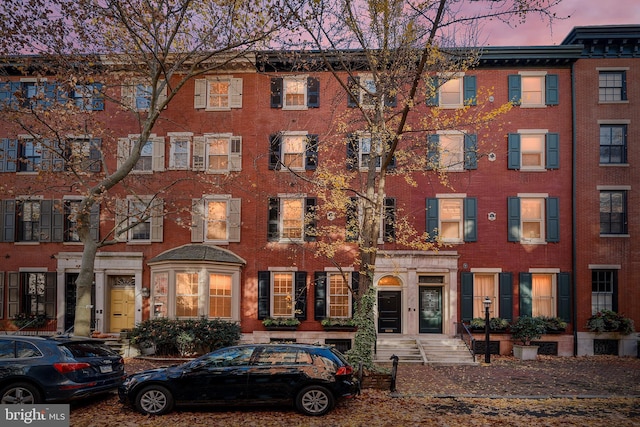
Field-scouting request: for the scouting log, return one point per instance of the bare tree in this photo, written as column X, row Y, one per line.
column 162, row 44
column 408, row 50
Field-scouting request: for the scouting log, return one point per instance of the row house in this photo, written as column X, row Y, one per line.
column 229, row 234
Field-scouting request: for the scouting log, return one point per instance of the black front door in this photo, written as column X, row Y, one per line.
column 430, row 310
column 389, row 312
column 70, row 302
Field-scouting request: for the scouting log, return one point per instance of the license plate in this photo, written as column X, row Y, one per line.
column 106, row 369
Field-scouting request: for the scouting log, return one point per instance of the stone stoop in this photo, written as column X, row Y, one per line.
column 406, row 348
column 444, row 350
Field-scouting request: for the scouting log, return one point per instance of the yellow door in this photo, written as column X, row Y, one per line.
column 122, row 309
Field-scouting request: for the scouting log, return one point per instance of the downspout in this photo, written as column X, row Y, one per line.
column 574, row 281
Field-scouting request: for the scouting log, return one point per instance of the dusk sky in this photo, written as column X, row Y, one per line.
column 582, row 12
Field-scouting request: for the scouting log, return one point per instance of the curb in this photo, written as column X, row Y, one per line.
column 497, row 396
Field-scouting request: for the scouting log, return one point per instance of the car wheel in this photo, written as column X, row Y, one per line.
column 314, row 400
column 22, row 393
column 154, row 400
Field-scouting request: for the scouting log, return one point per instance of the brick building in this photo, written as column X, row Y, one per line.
column 227, row 237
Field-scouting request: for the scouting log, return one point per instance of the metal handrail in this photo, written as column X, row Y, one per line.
column 467, row 337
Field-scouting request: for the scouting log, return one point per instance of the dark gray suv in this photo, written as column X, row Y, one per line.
column 56, row 369
column 312, row 377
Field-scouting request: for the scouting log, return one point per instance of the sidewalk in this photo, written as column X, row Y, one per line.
column 507, row 377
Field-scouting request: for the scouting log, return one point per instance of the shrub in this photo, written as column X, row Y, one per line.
column 338, row 321
column 610, row 321
column 553, row 324
column 495, row 323
column 281, row 321
column 172, row 336
column 525, row 329
column 29, row 320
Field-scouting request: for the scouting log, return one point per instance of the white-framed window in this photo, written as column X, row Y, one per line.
column 451, row 151
column 534, row 89
column 451, row 219
column 194, row 290
column 355, row 218
column 88, row 97
column 28, row 216
column 151, row 156
column 295, row 92
column 543, row 294
column 603, row 286
column 216, row 219
column 291, row 218
column 218, row 93
column 139, row 219
column 30, row 153
column 137, row 94
column 612, row 85
column 485, row 285
column 532, row 221
column 217, row 153
column 180, row 150
column 282, row 295
column 451, row 93
column 294, row 149
column 533, row 218
column 532, row 151
column 338, row 296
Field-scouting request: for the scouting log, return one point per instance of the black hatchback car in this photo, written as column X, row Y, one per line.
column 312, row 377
column 56, row 369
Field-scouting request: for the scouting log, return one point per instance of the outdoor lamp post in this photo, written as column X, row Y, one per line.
column 487, row 353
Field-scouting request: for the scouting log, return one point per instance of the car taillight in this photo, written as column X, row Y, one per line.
column 344, row 370
column 65, row 368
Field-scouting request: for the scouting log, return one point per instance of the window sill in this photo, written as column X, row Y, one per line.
column 624, row 101
column 296, row 108
column 218, row 109
column 533, row 242
column 26, row 243
column 534, row 106
column 533, row 170
column 616, row 235
column 612, row 165
column 139, row 242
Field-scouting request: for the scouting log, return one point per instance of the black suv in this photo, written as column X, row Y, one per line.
column 312, row 377
column 56, row 369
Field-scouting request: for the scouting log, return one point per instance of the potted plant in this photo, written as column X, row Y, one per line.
column 496, row 324
column 339, row 324
column 29, row 320
column 524, row 330
column 281, row 323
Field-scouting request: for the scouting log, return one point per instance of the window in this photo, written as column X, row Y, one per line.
column 452, row 91
column 452, row 151
column 452, row 218
column 603, row 285
column 295, row 92
column 71, row 208
column 220, row 296
column 88, row 97
column 218, row 93
column 139, row 219
column 533, row 219
column 363, row 92
column 612, row 86
column 355, row 216
column 151, row 154
column 29, row 221
column 334, row 294
column 217, row 153
column 613, row 212
column 485, row 285
column 292, row 218
column 533, row 89
column 282, row 293
column 613, row 144
column 216, row 219
column 79, row 154
column 362, row 147
column 296, row 151
column 534, row 150
column 180, row 150
column 137, row 95
column 545, row 293
column 31, row 293
column 28, row 93
column 188, row 289
column 487, row 282
column 29, row 155
column 186, row 295
column 339, row 298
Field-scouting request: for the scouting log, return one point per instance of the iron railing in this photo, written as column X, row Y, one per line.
column 466, row 336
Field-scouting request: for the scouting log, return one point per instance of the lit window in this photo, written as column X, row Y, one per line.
column 543, row 295
column 532, row 219
column 451, row 153
column 451, row 93
column 450, row 220
column 282, row 295
column 295, row 92
column 216, row 220
column 220, row 295
column 217, row 153
column 532, row 151
column 293, row 151
column 292, row 218
column 484, row 285
column 218, row 94
column 186, row 294
column 339, row 296
column 533, row 88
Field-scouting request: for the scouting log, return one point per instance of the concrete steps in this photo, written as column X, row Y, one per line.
column 427, row 349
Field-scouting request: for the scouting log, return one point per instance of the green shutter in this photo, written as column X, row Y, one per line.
column 320, row 295
column 46, row 210
column 8, row 220
column 433, row 153
column 470, row 219
column 564, row 296
column 432, row 219
column 553, row 219
column 515, row 91
column 514, row 151
column 526, row 294
column 471, row 151
column 469, row 83
column 264, row 294
column 506, row 296
column 433, row 97
column 553, row 151
column 552, row 94
column 513, row 219
column 300, row 295
column 466, row 301
column 57, row 221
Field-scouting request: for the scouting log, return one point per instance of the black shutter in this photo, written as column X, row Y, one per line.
column 320, row 295
column 264, row 294
column 506, row 296
column 301, row 295
column 564, row 296
column 389, row 219
column 313, row 92
column 311, row 161
column 311, row 222
column 354, row 92
column 355, row 289
column 94, row 222
column 273, row 232
column 526, row 294
column 275, row 147
column 466, row 290
column 276, row 92
column 352, row 151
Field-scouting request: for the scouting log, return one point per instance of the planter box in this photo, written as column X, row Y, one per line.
column 525, row 352
column 281, row 328
column 377, row 380
column 340, row 328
